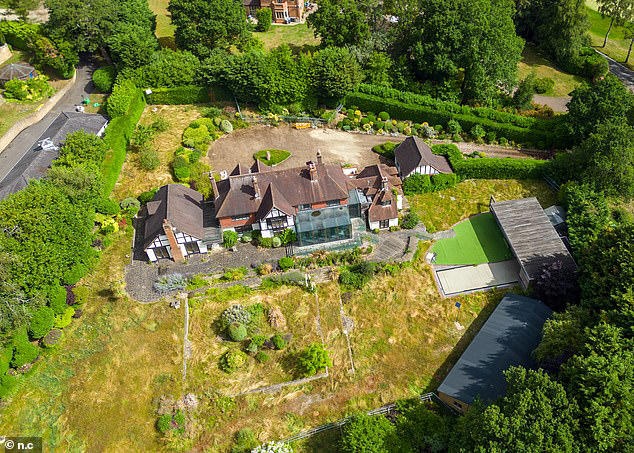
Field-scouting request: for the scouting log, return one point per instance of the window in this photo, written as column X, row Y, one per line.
column 384, row 223
column 276, row 223
column 386, row 203
column 331, row 203
column 304, row 207
column 161, row 252
column 457, row 404
column 279, row 15
column 237, row 218
column 191, row 248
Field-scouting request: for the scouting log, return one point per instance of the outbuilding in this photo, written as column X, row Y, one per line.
column 508, row 338
column 413, row 155
column 17, row 71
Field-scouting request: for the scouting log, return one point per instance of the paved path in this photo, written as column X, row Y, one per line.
column 621, row 71
column 13, row 153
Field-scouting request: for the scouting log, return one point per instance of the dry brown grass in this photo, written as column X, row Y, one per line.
column 135, row 180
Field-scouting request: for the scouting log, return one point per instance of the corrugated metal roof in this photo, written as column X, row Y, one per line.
column 506, row 339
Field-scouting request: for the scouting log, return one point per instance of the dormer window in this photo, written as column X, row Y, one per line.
column 386, row 203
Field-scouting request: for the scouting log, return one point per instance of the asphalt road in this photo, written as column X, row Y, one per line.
column 621, row 71
column 25, row 139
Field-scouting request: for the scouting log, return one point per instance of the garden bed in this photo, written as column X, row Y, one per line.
column 275, row 156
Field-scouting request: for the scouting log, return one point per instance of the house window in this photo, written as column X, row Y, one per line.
column 304, row 207
column 384, row 223
column 161, row 252
column 279, row 15
column 386, row 203
column 192, row 248
column 276, row 223
column 331, row 203
column 237, row 218
column 457, row 404
column 243, row 229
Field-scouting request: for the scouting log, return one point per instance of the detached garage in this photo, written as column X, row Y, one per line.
column 508, row 338
column 532, row 237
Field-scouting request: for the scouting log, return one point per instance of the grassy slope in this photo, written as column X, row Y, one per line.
column 478, row 240
column 617, row 45
column 298, row 37
column 532, row 62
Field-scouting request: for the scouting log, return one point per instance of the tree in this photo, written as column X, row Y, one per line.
column 21, row 8
column 600, row 379
column 421, row 429
column 336, row 72
column 597, row 103
column 203, row 25
column 80, row 147
column 265, row 19
column 619, row 12
column 523, row 96
column 629, row 34
column 312, row 359
column 377, row 69
column 535, row 414
column 166, row 68
column 132, row 45
column 88, row 24
column 366, row 434
column 339, row 23
column 608, row 158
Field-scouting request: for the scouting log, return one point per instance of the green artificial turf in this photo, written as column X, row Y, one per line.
column 277, row 156
column 478, row 240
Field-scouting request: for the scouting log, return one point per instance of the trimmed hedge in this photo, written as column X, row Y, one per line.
column 104, row 78
column 179, row 95
column 491, row 167
column 117, row 137
column 535, row 134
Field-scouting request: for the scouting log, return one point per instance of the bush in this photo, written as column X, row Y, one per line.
column 7, row 382
column 121, row 99
column 276, row 242
column 386, row 150
column 443, row 181
column 477, row 131
column 147, row 196
column 312, row 359
column 237, row 331
column 278, row 342
column 417, row 183
column 181, row 168
column 454, row 127
column 41, row 322
column 28, row 90
column 106, row 206
column 262, row 357
column 56, row 296
column 410, row 220
column 23, row 351
column 64, row 319
column 104, row 78
column 286, row 263
column 384, row 116
column 265, row 19
column 543, row 85
column 234, row 314
column 75, row 273
column 164, row 423
column 287, row 236
column 226, row 126
column 197, row 137
column 366, row 433
column 170, row 282
column 149, row 160
column 245, row 439
column 130, row 205
column 229, row 238
column 179, row 96
column 232, row 360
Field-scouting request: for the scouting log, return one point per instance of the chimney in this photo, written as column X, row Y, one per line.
column 384, row 183
column 312, row 171
column 177, row 254
column 256, row 188
column 319, row 159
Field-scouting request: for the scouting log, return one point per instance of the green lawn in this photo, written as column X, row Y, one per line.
column 164, row 27
column 277, row 156
column 533, row 62
column 617, row 45
column 298, row 37
column 478, row 240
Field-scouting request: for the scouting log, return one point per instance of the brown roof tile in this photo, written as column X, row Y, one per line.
column 414, row 152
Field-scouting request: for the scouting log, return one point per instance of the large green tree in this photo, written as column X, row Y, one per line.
column 203, row 25
column 336, row 72
column 535, row 414
column 339, row 23
column 132, row 45
column 619, row 12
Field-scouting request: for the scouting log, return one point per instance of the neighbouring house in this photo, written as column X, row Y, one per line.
column 17, row 71
column 413, row 155
column 38, row 159
column 284, row 11
column 317, row 201
column 508, row 338
column 533, row 239
column 174, row 224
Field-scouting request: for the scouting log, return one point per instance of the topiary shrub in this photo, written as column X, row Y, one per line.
column 149, row 159
column 237, row 331
column 384, row 116
column 104, row 78
column 312, row 359
column 286, row 263
column 23, row 351
column 278, row 342
column 262, row 357
column 229, row 238
column 232, row 360
column 410, row 220
column 276, row 242
column 64, row 319
column 41, row 322
column 171, row 282
column 56, row 296
column 226, row 126
column 234, row 314
column 130, row 205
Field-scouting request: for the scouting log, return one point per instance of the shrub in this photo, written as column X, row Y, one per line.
column 232, row 360
column 312, row 359
column 265, row 242
column 365, row 433
column 182, row 169
column 265, row 19
column 245, row 439
column 6, row 353
column 23, row 351
column 410, row 220
column 278, row 342
column 41, row 322
column 453, row 127
column 287, row 236
column 276, row 242
column 197, row 137
column 51, row 339
column 7, row 382
column 226, row 126
column 130, row 205
column 384, row 116
column 170, row 282
column 543, row 85
column 477, row 131
column 237, row 331
column 286, row 263
column 75, row 273
column 56, row 296
column 104, row 78
column 146, row 196
column 164, row 423
column 264, row 269
column 121, row 99
column 107, row 206
column 149, row 159
column 64, row 319
column 262, row 357
column 183, row 95
column 28, row 90
column 236, row 313
column 229, row 238
column 443, row 181
column 417, row 183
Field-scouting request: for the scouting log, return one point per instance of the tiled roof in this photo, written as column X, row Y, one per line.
column 414, row 152
column 377, row 212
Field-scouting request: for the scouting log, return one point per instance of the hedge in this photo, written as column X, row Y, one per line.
column 534, row 135
column 179, row 95
column 117, row 136
column 491, row 167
